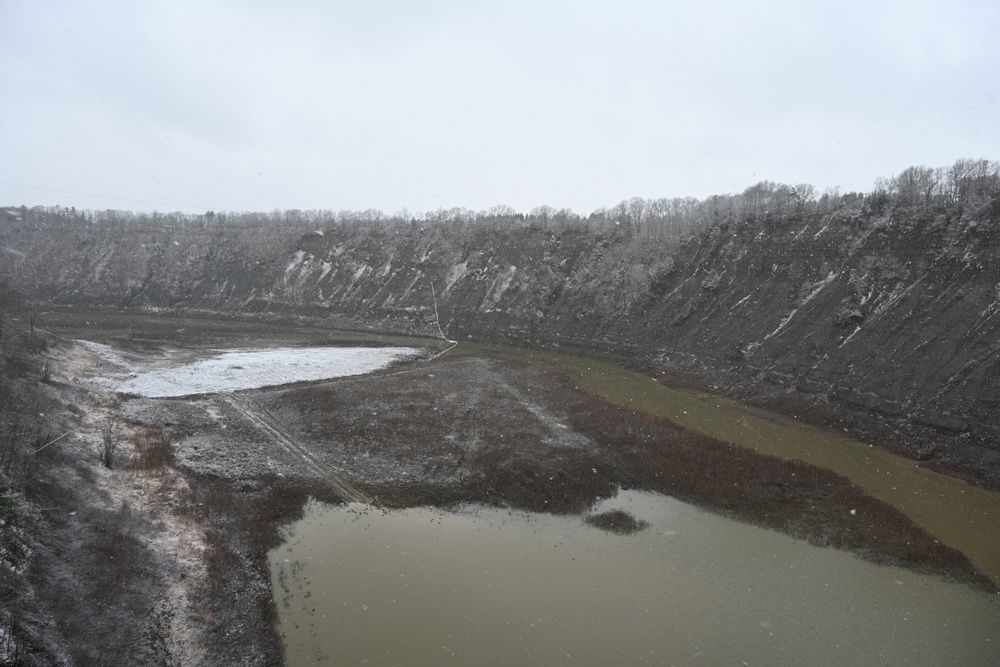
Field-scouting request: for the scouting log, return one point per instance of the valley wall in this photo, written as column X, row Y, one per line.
column 884, row 312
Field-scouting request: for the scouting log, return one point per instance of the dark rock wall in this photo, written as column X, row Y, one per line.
column 895, row 313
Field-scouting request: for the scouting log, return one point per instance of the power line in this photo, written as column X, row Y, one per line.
column 88, row 194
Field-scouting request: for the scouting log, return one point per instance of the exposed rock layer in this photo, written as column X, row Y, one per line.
column 889, row 313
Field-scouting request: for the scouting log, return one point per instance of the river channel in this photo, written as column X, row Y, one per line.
column 958, row 514
column 358, row 585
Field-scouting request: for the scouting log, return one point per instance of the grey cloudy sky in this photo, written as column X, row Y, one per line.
column 244, row 105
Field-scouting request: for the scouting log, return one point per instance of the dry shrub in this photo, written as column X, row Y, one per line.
column 153, row 449
column 109, row 431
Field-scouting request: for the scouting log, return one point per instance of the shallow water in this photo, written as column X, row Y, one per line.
column 356, row 585
column 962, row 516
column 958, row 514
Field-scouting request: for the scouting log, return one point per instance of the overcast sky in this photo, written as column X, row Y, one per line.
column 240, row 105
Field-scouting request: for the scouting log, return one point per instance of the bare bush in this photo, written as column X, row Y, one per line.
column 110, row 430
column 21, row 430
column 153, row 450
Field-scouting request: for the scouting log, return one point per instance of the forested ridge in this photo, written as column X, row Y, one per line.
column 879, row 304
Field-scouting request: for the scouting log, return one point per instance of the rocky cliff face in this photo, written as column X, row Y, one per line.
column 894, row 312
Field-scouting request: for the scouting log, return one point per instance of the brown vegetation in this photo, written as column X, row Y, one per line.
column 153, row 449
column 242, row 524
column 616, row 521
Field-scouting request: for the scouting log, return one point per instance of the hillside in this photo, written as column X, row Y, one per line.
column 882, row 306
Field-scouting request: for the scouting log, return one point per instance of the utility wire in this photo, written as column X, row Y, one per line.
column 88, row 194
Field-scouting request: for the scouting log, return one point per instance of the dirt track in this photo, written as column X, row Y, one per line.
column 267, row 424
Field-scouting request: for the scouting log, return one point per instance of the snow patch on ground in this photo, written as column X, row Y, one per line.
column 500, row 285
column 232, row 370
column 454, row 274
column 819, row 288
column 296, row 262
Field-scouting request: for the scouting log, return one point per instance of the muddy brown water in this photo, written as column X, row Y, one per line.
column 490, row 587
column 958, row 514
column 356, row 585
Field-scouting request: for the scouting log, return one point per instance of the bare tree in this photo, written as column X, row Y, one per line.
column 969, row 180
column 110, row 433
column 916, row 185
